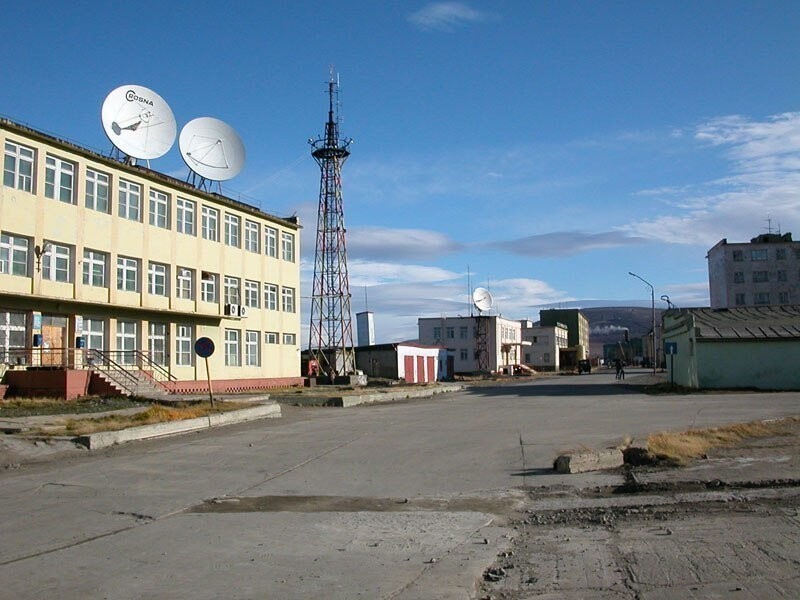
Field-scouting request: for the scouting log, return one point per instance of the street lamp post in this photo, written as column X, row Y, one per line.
column 653, row 313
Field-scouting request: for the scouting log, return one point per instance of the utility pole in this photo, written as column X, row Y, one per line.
column 653, row 313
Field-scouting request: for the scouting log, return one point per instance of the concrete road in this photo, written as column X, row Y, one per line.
column 384, row 501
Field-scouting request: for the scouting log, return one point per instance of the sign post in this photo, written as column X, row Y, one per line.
column 204, row 347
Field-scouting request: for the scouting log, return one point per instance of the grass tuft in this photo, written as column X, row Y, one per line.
column 681, row 447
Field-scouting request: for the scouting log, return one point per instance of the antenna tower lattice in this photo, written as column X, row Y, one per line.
column 331, row 331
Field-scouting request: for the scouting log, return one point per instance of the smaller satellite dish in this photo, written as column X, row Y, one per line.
column 138, row 121
column 482, row 298
column 212, row 149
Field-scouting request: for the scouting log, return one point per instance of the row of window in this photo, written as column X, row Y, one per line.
column 450, row 332
column 242, row 348
column 18, row 169
column 762, row 276
column 761, row 298
column 57, row 262
column 763, row 254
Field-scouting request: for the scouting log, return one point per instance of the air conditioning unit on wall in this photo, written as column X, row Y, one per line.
column 242, row 312
column 232, row 310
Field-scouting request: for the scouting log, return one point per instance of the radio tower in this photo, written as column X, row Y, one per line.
column 331, row 331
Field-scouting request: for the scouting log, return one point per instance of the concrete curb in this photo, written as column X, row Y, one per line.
column 589, row 461
column 357, row 399
column 104, row 439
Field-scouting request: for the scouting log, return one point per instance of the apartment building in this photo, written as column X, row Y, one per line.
column 102, row 255
column 546, row 343
column 500, row 339
column 578, row 332
column 764, row 271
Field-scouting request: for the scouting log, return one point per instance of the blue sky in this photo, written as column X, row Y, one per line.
column 545, row 148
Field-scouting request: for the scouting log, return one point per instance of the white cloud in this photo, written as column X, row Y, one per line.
column 567, row 243
column 369, row 273
column 763, row 183
column 445, row 16
column 397, row 244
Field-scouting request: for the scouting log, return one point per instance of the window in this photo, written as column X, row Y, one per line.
column 94, row 268
column 159, row 209
column 18, row 167
column 183, row 345
column 208, row 287
column 186, row 212
column 12, row 333
column 289, row 339
column 270, row 296
column 14, row 254
column 783, row 297
column 97, row 186
column 59, row 179
column 252, row 347
column 157, row 343
column 738, row 277
column 251, row 295
column 780, row 253
column 737, row 256
column 782, row 275
column 232, row 290
column 437, row 333
column 56, row 262
column 94, row 333
column 464, row 355
column 184, row 283
column 252, row 236
column 232, row 225
column 761, row 298
column 739, row 300
column 450, row 332
column 758, row 254
column 287, row 246
column 157, row 279
column 210, row 223
column 271, row 241
column 232, row 352
column 546, row 357
column 462, row 332
column 760, row 276
column 127, row 342
column 270, row 337
column 287, row 299
column 130, row 200
column 127, row 274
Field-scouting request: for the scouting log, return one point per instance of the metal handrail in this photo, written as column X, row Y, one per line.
column 92, row 357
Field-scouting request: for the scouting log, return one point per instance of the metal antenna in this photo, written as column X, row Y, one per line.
column 331, row 332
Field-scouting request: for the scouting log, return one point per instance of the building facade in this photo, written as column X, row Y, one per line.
column 101, row 255
column 750, row 347
column 546, row 343
column 404, row 361
column 462, row 335
column 577, row 326
column 762, row 272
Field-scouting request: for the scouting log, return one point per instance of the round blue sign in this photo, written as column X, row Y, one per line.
column 204, row 347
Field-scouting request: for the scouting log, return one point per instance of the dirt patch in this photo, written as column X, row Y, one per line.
column 27, row 407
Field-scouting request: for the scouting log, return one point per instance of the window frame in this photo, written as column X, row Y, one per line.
column 158, row 213
column 11, row 250
column 184, row 354
column 129, row 200
column 288, row 303
column 95, row 263
column 233, row 230
column 251, row 294
column 15, row 157
column 232, row 290
column 287, row 246
column 252, row 236
column 59, row 179
column 186, row 213
column 92, row 197
column 184, row 285
column 57, row 261
column 128, row 269
column 157, row 279
column 233, row 355
column 252, row 348
column 271, row 296
column 209, row 223
column 270, row 241
column 209, row 287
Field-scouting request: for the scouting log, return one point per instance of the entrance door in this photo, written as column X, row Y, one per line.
column 54, row 336
column 408, row 364
column 421, row 378
column 431, row 369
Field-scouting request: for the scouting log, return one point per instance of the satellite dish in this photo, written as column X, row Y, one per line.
column 138, row 121
column 482, row 299
column 212, row 149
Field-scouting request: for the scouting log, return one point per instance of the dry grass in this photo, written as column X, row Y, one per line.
column 154, row 414
column 681, row 447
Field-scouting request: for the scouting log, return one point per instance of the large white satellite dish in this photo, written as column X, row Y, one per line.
column 138, row 121
column 212, row 149
column 482, row 299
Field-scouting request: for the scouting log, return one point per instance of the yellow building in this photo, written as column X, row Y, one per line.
column 97, row 255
